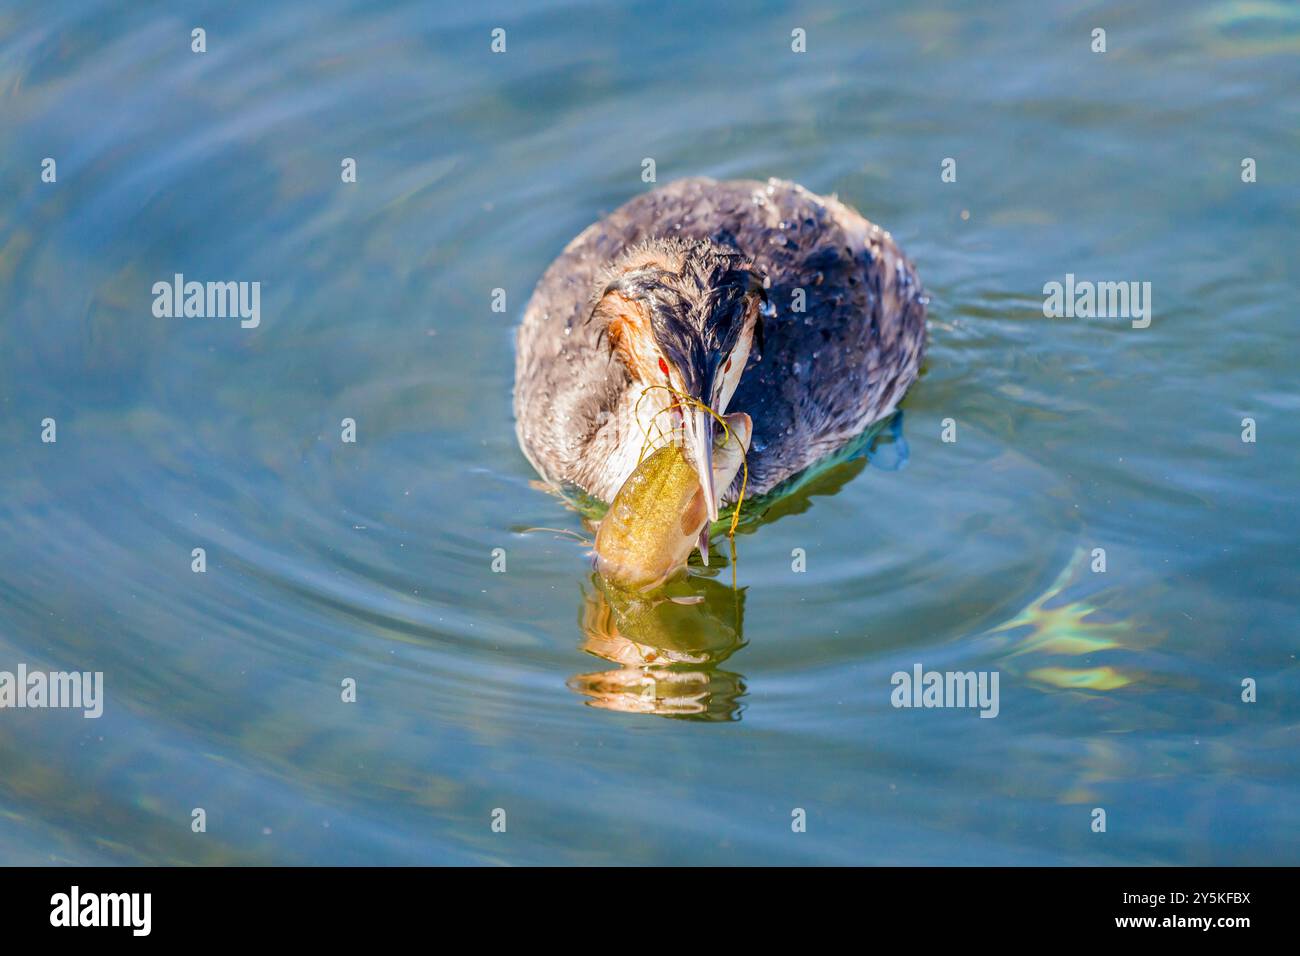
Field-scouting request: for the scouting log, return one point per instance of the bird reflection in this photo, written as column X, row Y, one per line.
column 668, row 645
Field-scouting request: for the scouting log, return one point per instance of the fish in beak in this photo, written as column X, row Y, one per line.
column 658, row 515
column 699, row 449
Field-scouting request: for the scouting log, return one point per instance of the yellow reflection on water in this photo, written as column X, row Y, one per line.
column 1086, row 678
column 1070, row 629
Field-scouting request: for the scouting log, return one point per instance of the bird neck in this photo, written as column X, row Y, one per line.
column 634, row 428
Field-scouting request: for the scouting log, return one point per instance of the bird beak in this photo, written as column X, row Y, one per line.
column 699, row 446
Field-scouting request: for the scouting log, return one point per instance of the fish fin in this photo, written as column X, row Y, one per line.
column 703, row 544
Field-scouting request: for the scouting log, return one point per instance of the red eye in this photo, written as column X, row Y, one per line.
column 663, row 367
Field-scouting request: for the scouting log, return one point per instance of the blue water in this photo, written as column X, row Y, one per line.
column 526, row 691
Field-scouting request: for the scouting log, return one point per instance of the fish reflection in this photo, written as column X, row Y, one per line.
column 668, row 646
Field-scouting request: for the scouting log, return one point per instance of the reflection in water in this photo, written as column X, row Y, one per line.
column 667, row 644
column 1070, row 629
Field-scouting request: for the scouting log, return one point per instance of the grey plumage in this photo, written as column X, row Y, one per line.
column 822, row 377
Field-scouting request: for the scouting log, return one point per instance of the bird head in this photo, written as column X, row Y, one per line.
column 684, row 314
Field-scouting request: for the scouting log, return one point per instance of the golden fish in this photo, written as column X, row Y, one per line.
column 657, row 516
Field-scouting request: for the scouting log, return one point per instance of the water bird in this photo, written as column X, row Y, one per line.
column 702, row 296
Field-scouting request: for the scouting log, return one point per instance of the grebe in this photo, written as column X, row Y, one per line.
column 763, row 298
